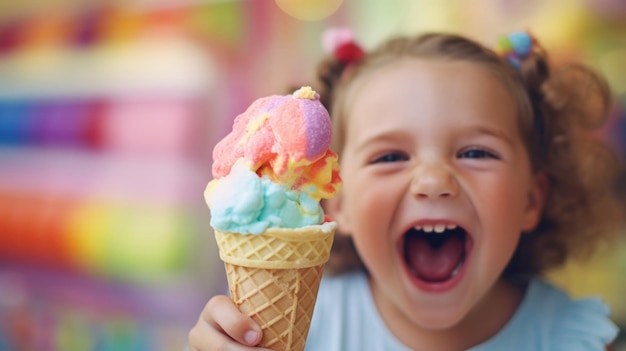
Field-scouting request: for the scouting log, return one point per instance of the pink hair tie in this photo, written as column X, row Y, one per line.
column 340, row 43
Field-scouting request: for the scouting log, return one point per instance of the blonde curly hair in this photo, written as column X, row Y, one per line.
column 558, row 111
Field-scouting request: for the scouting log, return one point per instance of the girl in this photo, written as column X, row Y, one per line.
column 467, row 175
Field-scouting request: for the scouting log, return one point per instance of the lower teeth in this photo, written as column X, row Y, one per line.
column 457, row 269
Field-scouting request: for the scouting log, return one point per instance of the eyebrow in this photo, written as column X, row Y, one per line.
column 475, row 130
column 494, row 132
column 381, row 136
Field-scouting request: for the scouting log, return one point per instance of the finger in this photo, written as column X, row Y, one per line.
column 204, row 337
column 222, row 314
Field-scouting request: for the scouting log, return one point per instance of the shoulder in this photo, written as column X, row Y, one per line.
column 573, row 324
column 341, row 296
column 330, row 325
column 345, row 317
column 346, row 283
column 548, row 319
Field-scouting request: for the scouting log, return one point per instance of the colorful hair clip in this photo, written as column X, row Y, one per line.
column 340, row 43
column 517, row 46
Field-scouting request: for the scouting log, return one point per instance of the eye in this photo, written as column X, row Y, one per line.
column 390, row 157
column 477, row 153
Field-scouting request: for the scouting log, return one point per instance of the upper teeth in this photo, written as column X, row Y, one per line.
column 438, row 228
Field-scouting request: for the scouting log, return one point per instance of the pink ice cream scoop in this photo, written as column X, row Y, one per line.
column 286, row 138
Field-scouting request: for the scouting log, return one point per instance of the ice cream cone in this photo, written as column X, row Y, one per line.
column 274, row 277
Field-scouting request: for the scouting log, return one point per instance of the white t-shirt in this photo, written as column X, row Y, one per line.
column 346, row 319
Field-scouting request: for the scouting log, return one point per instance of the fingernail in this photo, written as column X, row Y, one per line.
column 251, row 337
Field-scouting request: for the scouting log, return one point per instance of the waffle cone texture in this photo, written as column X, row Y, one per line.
column 274, row 277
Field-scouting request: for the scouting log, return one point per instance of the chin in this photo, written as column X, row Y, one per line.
column 430, row 316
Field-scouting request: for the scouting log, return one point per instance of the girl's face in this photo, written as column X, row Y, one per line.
column 437, row 189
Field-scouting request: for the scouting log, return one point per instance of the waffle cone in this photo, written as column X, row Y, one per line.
column 274, row 278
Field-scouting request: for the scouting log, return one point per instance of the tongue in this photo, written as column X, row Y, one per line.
column 434, row 264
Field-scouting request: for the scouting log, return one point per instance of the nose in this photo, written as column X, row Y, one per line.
column 434, row 181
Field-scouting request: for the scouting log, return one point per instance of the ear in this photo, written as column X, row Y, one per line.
column 334, row 209
column 537, row 195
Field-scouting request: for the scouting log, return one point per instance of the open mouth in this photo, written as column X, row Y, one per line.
column 435, row 253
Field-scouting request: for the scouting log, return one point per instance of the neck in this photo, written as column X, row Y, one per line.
column 484, row 321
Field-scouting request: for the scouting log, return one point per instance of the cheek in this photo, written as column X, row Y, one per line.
column 364, row 207
column 501, row 212
column 503, row 201
column 506, row 210
column 369, row 207
column 369, row 197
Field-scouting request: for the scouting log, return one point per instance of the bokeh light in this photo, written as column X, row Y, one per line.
column 309, row 10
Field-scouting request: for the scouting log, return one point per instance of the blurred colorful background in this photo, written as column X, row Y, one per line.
column 109, row 111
